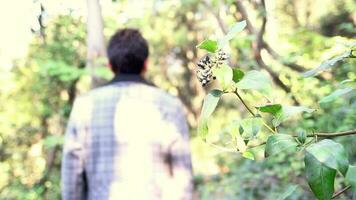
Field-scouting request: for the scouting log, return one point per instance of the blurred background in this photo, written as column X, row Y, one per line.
column 49, row 54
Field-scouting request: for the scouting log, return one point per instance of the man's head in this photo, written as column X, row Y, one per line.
column 127, row 52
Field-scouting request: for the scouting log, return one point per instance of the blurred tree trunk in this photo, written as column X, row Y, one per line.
column 95, row 40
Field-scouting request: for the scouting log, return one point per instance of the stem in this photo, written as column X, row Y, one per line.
column 273, row 131
column 250, row 111
column 338, row 193
column 257, row 145
column 344, row 133
column 243, row 102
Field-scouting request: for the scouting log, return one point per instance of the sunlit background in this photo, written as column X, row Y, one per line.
column 43, row 54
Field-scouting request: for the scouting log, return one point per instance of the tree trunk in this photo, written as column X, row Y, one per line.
column 96, row 52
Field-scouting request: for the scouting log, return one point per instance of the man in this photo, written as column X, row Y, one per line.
column 128, row 139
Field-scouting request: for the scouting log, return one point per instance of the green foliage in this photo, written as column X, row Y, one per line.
column 288, row 192
column 37, row 107
column 279, row 143
column 274, row 109
column 255, row 80
column 330, row 63
column 233, row 31
column 224, row 75
column 322, row 159
column 320, row 177
column 237, row 75
column 302, row 137
column 210, row 103
column 350, row 176
column 209, row 45
column 334, row 95
column 37, row 94
column 331, row 154
column 248, row 155
column 288, row 111
column 250, row 127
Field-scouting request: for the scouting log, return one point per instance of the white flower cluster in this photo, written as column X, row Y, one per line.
column 206, row 64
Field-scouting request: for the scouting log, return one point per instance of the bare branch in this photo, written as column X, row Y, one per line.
column 291, row 65
column 338, row 193
column 258, row 45
column 217, row 17
column 337, row 134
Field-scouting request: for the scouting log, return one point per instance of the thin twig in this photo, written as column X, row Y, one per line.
column 331, row 135
column 250, row 111
column 243, row 102
column 268, row 127
column 217, row 17
column 256, row 145
column 338, row 193
column 344, row 133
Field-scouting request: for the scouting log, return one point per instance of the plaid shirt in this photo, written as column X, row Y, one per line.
column 127, row 140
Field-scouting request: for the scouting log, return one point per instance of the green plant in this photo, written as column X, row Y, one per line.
column 323, row 158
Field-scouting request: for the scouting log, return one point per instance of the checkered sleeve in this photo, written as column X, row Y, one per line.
column 181, row 157
column 72, row 171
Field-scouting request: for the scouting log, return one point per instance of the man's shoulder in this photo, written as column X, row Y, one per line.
column 140, row 90
column 167, row 98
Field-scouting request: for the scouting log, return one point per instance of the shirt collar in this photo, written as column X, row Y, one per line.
column 130, row 78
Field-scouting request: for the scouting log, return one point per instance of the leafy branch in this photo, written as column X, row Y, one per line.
column 250, row 111
column 323, row 159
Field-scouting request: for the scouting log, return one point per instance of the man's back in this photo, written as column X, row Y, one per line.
column 127, row 140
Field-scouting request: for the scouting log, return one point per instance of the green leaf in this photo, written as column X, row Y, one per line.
column 209, row 105
column 302, row 137
column 351, row 176
column 224, row 75
column 331, row 154
column 349, row 83
column 53, row 140
column 209, row 45
column 280, row 143
column 255, row 80
column 328, row 64
column 237, row 75
column 273, row 109
column 250, row 127
column 210, row 102
column 240, row 143
column 288, row 111
column 320, row 177
column 248, row 155
column 233, row 31
column 337, row 93
column 232, row 128
column 203, row 129
column 288, row 192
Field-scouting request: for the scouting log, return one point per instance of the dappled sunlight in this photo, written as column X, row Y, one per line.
column 265, row 88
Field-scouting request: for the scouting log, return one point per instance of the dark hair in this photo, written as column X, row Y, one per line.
column 127, row 51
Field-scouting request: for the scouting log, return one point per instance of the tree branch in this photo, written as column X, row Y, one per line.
column 337, row 134
column 256, row 145
column 338, row 193
column 258, row 45
column 291, row 65
column 217, row 17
